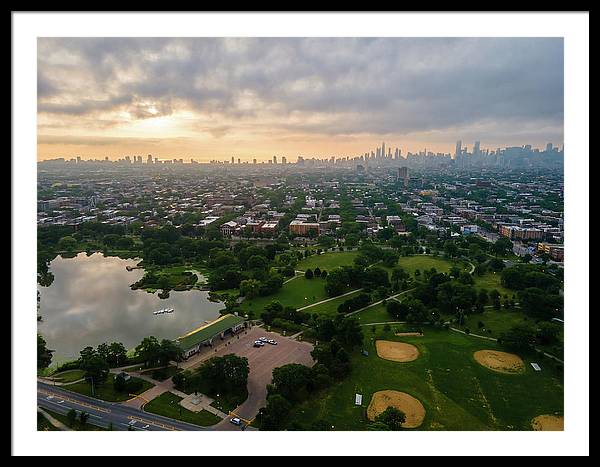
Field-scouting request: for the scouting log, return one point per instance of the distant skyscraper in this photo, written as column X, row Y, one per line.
column 274, row 159
column 149, row 159
column 549, row 147
column 284, row 160
column 476, row 148
column 403, row 175
column 383, row 149
column 232, row 160
column 254, row 161
column 458, row 151
column 239, row 161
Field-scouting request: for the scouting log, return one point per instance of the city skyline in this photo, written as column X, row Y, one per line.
column 252, row 98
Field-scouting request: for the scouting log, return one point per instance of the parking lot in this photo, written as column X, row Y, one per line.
column 262, row 360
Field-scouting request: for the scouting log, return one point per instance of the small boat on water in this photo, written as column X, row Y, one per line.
column 163, row 311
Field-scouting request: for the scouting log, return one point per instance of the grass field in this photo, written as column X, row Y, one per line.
column 297, row 293
column 167, row 405
column 329, row 308
column 374, row 314
column 457, row 392
column 424, row 262
column 68, row 376
column 491, row 281
column 328, row 261
column 496, row 321
column 106, row 390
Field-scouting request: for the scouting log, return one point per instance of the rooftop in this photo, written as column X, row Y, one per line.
column 209, row 330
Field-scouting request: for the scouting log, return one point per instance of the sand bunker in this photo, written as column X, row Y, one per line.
column 500, row 361
column 396, row 351
column 412, row 408
column 548, row 423
column 408, row 334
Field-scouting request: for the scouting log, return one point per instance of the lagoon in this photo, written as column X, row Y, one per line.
column 90, row 302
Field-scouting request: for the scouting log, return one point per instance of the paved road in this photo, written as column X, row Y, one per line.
column 103, row 413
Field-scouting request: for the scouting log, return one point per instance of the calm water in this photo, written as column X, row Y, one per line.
column 90, row 302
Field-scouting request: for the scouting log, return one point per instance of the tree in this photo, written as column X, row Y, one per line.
column 520, row 337
column 83, row 418
column 148, row 350
column 548, row 333
column 67, row 243
column 292, row 381
column 257, row 262
column 169, row 350
column 227, row 374
column 275, row 414
column 390, row 258
column 95, row 367
column 71, row 417
column 44, row 356
column 250, row 288
column 502, row 246
column 317, row 272
column 323, row 274
column 117, row 354
column 309, row 274
column 392, row 417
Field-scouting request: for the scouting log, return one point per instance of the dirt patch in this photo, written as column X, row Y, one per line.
column 412, row 408
column 548, row 423
column 396, row 351
column 500, row 361
column 400, row 334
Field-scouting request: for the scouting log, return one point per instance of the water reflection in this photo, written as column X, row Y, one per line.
column 90, row 302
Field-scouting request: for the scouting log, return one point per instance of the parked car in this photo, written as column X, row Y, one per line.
column 258, row 344
column 272, row 342
column 236, row 421
column 263, row 339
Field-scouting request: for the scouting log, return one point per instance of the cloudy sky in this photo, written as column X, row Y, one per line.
column 257, row 97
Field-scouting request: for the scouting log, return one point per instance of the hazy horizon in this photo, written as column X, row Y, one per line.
column 214, row 98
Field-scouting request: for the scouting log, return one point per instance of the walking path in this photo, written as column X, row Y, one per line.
column 58, row 383
column 55, row 423
column 329, row 299
column 392, row 297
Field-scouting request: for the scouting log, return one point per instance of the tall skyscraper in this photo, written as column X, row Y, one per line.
column 549, row 147
column 232, row 160
column 284, row 160
column 458, row 150
column 476, row 148
column 383, row 149
column 149, row 159
column 274, row 159
column 254, row 161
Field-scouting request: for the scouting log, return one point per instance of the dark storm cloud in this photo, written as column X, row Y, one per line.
column 351, row 85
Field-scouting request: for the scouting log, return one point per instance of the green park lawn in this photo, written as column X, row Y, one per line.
column 457, row 392
column 296, row 293
column 374, row 314
column 167, row 405
column 106, row 391
column 425, row 262
column 328, row 261
column 496, row 321
column 329, row 308
column 491, row 281
column 68, row 376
